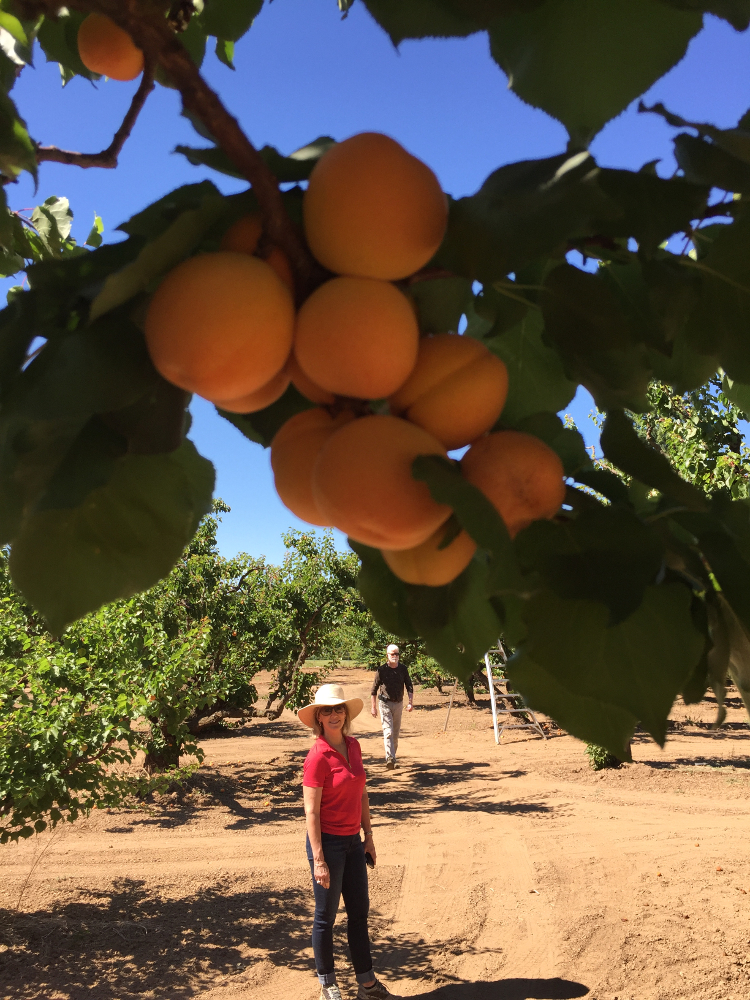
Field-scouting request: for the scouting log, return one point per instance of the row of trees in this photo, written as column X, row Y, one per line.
column 153, row 672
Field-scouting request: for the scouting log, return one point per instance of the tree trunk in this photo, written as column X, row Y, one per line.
column 161, row 754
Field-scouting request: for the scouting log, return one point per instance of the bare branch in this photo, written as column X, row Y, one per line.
column 108, row 157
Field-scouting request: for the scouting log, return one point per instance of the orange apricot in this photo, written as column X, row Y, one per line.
column 306, row 386
column 243, row 237
column 519, row 474
column 362, row 483
column 456, row 391
column 261, row 398
column 294, row 450
column 373, row 210
column 357, row 337
column 105, row 48
column 430, row 565
column 220, row 324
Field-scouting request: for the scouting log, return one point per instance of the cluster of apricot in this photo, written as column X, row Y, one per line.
column 224, row 325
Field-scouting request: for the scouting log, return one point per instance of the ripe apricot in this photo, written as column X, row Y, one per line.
column 362, row 483
column 357, row 337
column 306, row 386
column 294, row 450
column 105, row 48
column 428, row 564
column 456, row 391
column 373, row 210
column 220, row 324
column 261, row 398
column 243, row 237
column 519, row 474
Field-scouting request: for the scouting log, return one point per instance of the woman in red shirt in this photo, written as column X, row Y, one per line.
column 336, row 808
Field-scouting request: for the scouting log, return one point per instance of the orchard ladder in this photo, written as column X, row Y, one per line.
column 512, row 702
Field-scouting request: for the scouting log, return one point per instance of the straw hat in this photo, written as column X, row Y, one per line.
column 329, row 694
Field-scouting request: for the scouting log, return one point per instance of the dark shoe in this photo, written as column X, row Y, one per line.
column 390, row 764
column 375, row 992
column 331, row 992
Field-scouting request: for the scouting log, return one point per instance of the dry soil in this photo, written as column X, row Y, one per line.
column 504, row 872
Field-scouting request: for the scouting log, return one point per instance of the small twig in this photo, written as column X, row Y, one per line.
column 108, row 157
column 33, row 867
column 152, row 34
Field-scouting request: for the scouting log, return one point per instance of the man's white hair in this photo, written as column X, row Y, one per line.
column 390, row 646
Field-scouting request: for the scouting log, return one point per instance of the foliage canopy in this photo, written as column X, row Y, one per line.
column 639, row 590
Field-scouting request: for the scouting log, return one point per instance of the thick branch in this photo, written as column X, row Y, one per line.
column 108, row 157
column 151, row 32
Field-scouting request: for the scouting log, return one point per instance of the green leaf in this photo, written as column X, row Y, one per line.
column 735, row 141
column 17, row 151
column 587, row 717
column 229, row 19
column 58, row 38
column 156, row 422
column 161, row 255
column 537, row 379
column 652, row 208
column 127, row 535
column 457, row 622
column 522, row 212
column 440, row 302
column 159, row 216
column 475, row 514
column 94, row 238
column 737, row 12
column 706, row 163
column 53, row 221
column 737, row 393
column 225, row 52
column 604, row 482
column 584, row 319
column 639, row 664
column 383, row 593
column 584, row 62
column 425, row 18
column 719, row 324
column 262, row 426
column 286, row 169
column 625, row 449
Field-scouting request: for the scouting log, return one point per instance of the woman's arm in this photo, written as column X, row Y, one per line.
column 367, row 827
column 312, row 797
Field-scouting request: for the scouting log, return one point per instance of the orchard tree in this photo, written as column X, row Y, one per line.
column 614, row 607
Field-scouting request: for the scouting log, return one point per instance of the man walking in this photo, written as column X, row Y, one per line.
column 388, row 687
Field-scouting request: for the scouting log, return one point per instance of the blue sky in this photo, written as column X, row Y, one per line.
column 303, row 72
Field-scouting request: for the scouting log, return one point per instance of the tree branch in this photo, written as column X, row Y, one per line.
column 151, row 32
column 108, row 157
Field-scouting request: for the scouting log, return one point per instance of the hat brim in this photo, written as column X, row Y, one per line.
column 306, row 715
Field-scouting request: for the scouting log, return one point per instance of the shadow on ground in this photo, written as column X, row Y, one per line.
column 511, row 989
column 126, row 942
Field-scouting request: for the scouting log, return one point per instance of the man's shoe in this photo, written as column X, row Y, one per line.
column 331, row 992
column 390, row 764
column 375, row 992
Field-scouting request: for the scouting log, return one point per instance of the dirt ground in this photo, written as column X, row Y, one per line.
column 504, row 872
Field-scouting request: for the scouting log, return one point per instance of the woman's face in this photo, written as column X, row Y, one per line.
column 332, row 719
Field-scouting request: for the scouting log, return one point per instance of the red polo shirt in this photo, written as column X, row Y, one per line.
column 342, row 784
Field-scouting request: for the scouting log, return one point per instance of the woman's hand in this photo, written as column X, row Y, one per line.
column 370, row 848
column 322, row 874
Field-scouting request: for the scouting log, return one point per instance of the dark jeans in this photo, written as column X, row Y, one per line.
column 345, row 857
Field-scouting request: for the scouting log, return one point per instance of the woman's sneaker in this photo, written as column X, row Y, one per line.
column 331, row 992
column 375, row 992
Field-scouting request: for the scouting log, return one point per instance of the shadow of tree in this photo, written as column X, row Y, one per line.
column 270, row 792
column 127, row 941
column 511, row 989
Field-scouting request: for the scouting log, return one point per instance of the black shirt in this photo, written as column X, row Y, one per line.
column 391, row 681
